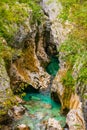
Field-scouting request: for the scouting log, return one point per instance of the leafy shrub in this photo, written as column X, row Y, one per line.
column 81, row 67
column 74, row 49
column 14, row 13
column 68, row 80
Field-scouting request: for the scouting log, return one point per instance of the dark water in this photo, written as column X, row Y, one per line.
column 53, row 66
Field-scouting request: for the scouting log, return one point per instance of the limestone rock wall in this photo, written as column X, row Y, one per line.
column 69, row 99
column 28, row 68
column 27, row 65
column 6, row 96
column 59, row 31
column 75, row 120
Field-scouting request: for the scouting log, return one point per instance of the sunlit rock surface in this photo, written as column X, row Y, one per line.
column 53, row 125
column 17, row 111
column 58, row 30
column 27, row 70
column 22, row 127
column 75, row 120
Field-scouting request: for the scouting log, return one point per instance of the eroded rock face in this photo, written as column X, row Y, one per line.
column 6, row 96
column 84, row 108
column 22, row 30
column 69, row 100
column 75, row 120
column 58, row 32
column 26, row 70
column 41, row 45
column 81, row 86
column 53, row 124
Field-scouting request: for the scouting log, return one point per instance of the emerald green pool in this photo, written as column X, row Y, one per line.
column 40, row 108
column 53, row 66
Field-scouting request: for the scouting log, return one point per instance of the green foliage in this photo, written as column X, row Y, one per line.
column 78, row 126
column 11, row 15
column 14, row 13
column 66, row 8
column 83, row 75
column 5, row 51
column 1, row 49
column 37, row 12
column 20, row 89
column 75, row 55
column 76, row 12
column 68, row 80
column 7, row 103
column 71, row 49
column 81, row 66
column 74, row 49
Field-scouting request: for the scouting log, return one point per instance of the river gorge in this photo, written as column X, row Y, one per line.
column 38, row 87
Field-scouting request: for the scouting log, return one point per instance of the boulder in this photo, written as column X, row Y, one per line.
column 17, row 111
column 75, row 120
column 19, row 100
column 53, row 124
column 22, row 127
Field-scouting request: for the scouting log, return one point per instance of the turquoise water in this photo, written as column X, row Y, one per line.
column 40, row 108
column 53, row 66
